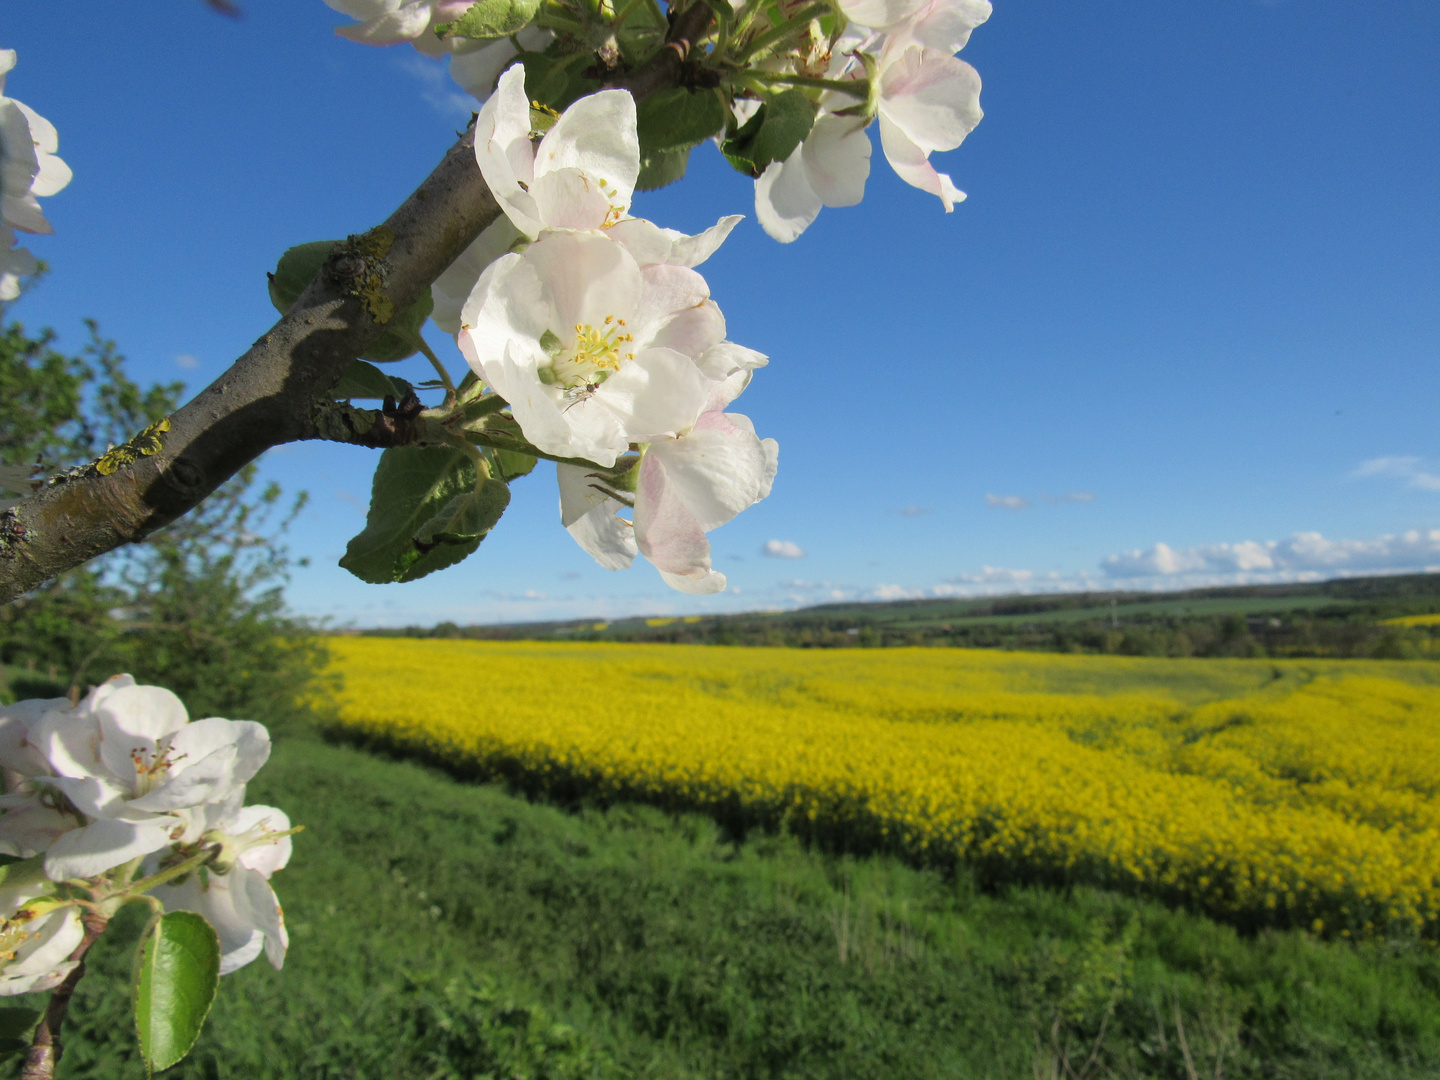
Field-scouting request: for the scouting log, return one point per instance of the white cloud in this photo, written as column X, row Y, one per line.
column 186, row 361
column 1006, row 502
column 1408, row 469
column 782, row 549
column 1303, row 555
column 435, row 86
column 912, row 511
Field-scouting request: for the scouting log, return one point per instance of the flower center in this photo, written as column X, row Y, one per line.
column 596, row 353
column 152, row 768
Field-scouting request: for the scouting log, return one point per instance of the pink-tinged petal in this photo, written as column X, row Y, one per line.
column 666, row 532
column 706, row 584
column 717, row 469
column 364, row 10
column 931, row 97
column 104, row 845
column 837, row 159
column 405, row 24
column 659, row 391
column 596, row 135
column 692, row 332
column 667, row 290
column 913, row 166
column 651, row 244
column 785, row 203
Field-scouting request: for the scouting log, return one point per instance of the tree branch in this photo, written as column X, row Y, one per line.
column 268, row 395
column 45, row 1045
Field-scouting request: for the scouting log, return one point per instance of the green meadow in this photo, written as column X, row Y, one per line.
column 446, row 930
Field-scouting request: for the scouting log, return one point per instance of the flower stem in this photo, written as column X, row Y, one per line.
column 445, row 379
column 856, row 88
column 45, row 1044
column 180, row 869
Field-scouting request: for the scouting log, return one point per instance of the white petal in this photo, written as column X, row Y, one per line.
column 571, row 199
column 945, row 25
column 837, row 159
column 213, row 897
column 55, row 939
column 667, row 533
column 195, row 743
column 103, row 845
column 503, row 151
column 273, row 855
column 667, row 290
column 931, row 97
column 659, row 391
column 879, row 13
column 650, row 244
column 693, row 331
column 264, row 908
column 785, row 203
column 913, row 166
column 17, row 752
column 697, row 584
column 589, row 516
column 92, row 796
column 597, row 136
column 717, row 469
column 404, row 24
column 452, row 289
column 476, row 69
column 29, row 830
column 725, row 358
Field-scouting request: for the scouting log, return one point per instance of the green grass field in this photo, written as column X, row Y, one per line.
column 444, row 930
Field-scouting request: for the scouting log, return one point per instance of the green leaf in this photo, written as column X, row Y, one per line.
column 299, row 266
column 556, row 81
column 661, row 168
column 772, row 134
column 10, row 1048
column 16, row 1023
column 677, row 118
column 362, row 380
column 425, row 515
column 489, row 19
column 176, row 975
column 511, row 465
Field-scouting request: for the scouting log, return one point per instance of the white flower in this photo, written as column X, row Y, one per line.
column 475, row 65
column 929, row 101
column 938, row 24
column 28, row 165
column 35, row 944
column 688, row 484
column 120, row 764
column 452, row 288
column 591, row 351
column 238, row 900
column 583, row 174
column 828, row 169
column 391, row 22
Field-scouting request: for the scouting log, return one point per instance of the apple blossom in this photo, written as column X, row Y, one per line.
column 36, row 939
column 591, row 351
column 686, row 485
column 582, row 175
column 29, row 170
column 829, row 168
column 121, row 762
column 233, row 893
column 391, row 22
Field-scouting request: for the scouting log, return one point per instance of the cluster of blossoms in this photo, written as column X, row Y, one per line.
column 603, row 338
column 925, row 98
column 29, row 170
column 107, row 796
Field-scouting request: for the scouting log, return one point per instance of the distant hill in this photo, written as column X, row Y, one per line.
column 1375, row 616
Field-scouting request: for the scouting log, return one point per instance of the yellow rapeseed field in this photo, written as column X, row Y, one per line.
column 1267, row 792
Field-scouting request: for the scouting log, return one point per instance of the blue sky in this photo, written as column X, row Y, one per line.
column 1185, row 329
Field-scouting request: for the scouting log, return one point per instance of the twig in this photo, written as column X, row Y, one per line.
column 46, row 1046
column 265, row 399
